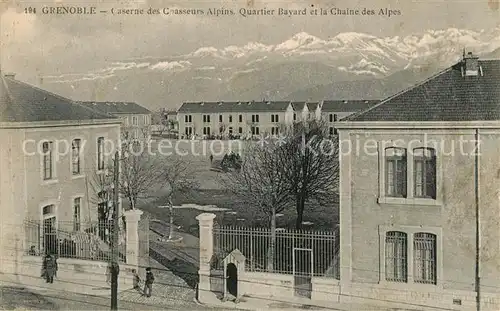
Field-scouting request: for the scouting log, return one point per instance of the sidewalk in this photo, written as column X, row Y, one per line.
column 275, row 304
column 38, row 295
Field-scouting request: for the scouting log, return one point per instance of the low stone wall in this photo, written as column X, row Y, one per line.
column 325, row 290
column 418, row 297
column 261, row 284
column 77, row 270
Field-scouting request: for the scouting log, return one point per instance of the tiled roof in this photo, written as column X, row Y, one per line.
column 347, row 105
column 117, row 107
column 298, row 106
column 447, row 96
column 216, row 107
column 21, row 102
column 312, row 106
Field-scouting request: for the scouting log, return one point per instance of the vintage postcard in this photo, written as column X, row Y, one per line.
column 250, row 154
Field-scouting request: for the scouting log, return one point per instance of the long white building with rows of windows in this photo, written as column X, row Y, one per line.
column 256, row 118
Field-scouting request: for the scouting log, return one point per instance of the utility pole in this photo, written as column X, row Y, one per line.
column 478, row 223
column 115, row 269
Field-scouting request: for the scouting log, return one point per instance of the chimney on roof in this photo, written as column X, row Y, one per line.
column 470, row 65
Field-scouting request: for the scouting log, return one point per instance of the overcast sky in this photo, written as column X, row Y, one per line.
column 43, row 45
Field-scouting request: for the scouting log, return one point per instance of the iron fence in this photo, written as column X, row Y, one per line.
column 89, row 241
column 295, row 252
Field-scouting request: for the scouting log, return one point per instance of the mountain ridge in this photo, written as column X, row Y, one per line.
column 302, row 66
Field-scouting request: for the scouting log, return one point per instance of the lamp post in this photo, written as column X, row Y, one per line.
column 115, row 269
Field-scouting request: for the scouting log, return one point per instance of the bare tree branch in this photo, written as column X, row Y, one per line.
column 140, row 170
column 261, row 183
column 311, row 157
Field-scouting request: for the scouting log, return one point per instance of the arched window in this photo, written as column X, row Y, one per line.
column 424, row 172
column 395, row 172
column 424, row 258
column 396, row 256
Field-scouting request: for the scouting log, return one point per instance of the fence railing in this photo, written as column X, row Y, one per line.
column 295, row 252
column 89, row 241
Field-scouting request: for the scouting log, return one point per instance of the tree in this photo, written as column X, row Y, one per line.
column 261, row 184
column 178, row 176
column 312, row 162
column 140, row 170
column 162, row 124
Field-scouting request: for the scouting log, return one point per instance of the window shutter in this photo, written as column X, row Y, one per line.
column 401, row 177
column 431, row 178
column 390, row 177
column 419, row 182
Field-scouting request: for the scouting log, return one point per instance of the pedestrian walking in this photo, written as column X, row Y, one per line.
column 211, row 158
column 49, row 268
column 148, row 284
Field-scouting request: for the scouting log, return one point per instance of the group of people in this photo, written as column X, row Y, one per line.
column 49, row 271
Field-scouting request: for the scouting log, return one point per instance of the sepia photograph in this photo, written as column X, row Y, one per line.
column 250, row 155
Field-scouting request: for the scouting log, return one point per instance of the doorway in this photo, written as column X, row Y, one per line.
column 232, row 279
column 302, row 272
column 50, row 230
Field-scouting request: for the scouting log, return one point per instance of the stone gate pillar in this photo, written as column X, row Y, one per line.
column 132, row 218
column 206, row 222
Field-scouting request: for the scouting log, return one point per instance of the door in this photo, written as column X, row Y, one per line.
column 50, row 235
column 302, row 272
column 232, row 279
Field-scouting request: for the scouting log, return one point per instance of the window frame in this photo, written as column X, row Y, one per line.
column 396, row 182
column 401, row 239
column 410, row 199
column 420, row 238
column 48, row 158
column 424, row 160
column 410, row 232
column 79, row 156
column 100, row 154
column 77, row 225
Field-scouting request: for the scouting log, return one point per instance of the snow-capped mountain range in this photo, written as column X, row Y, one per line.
column 276, row 71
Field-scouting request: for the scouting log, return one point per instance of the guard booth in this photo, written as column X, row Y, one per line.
column 234, row 265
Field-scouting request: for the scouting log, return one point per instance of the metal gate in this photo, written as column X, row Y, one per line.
column 50, row 240
column 302, row 271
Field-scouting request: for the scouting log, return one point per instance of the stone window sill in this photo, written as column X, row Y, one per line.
column 409, row 201
column 49, row 181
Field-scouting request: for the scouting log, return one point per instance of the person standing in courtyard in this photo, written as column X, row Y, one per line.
column 211, row 158
column 49, row 267
column 148, row 283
